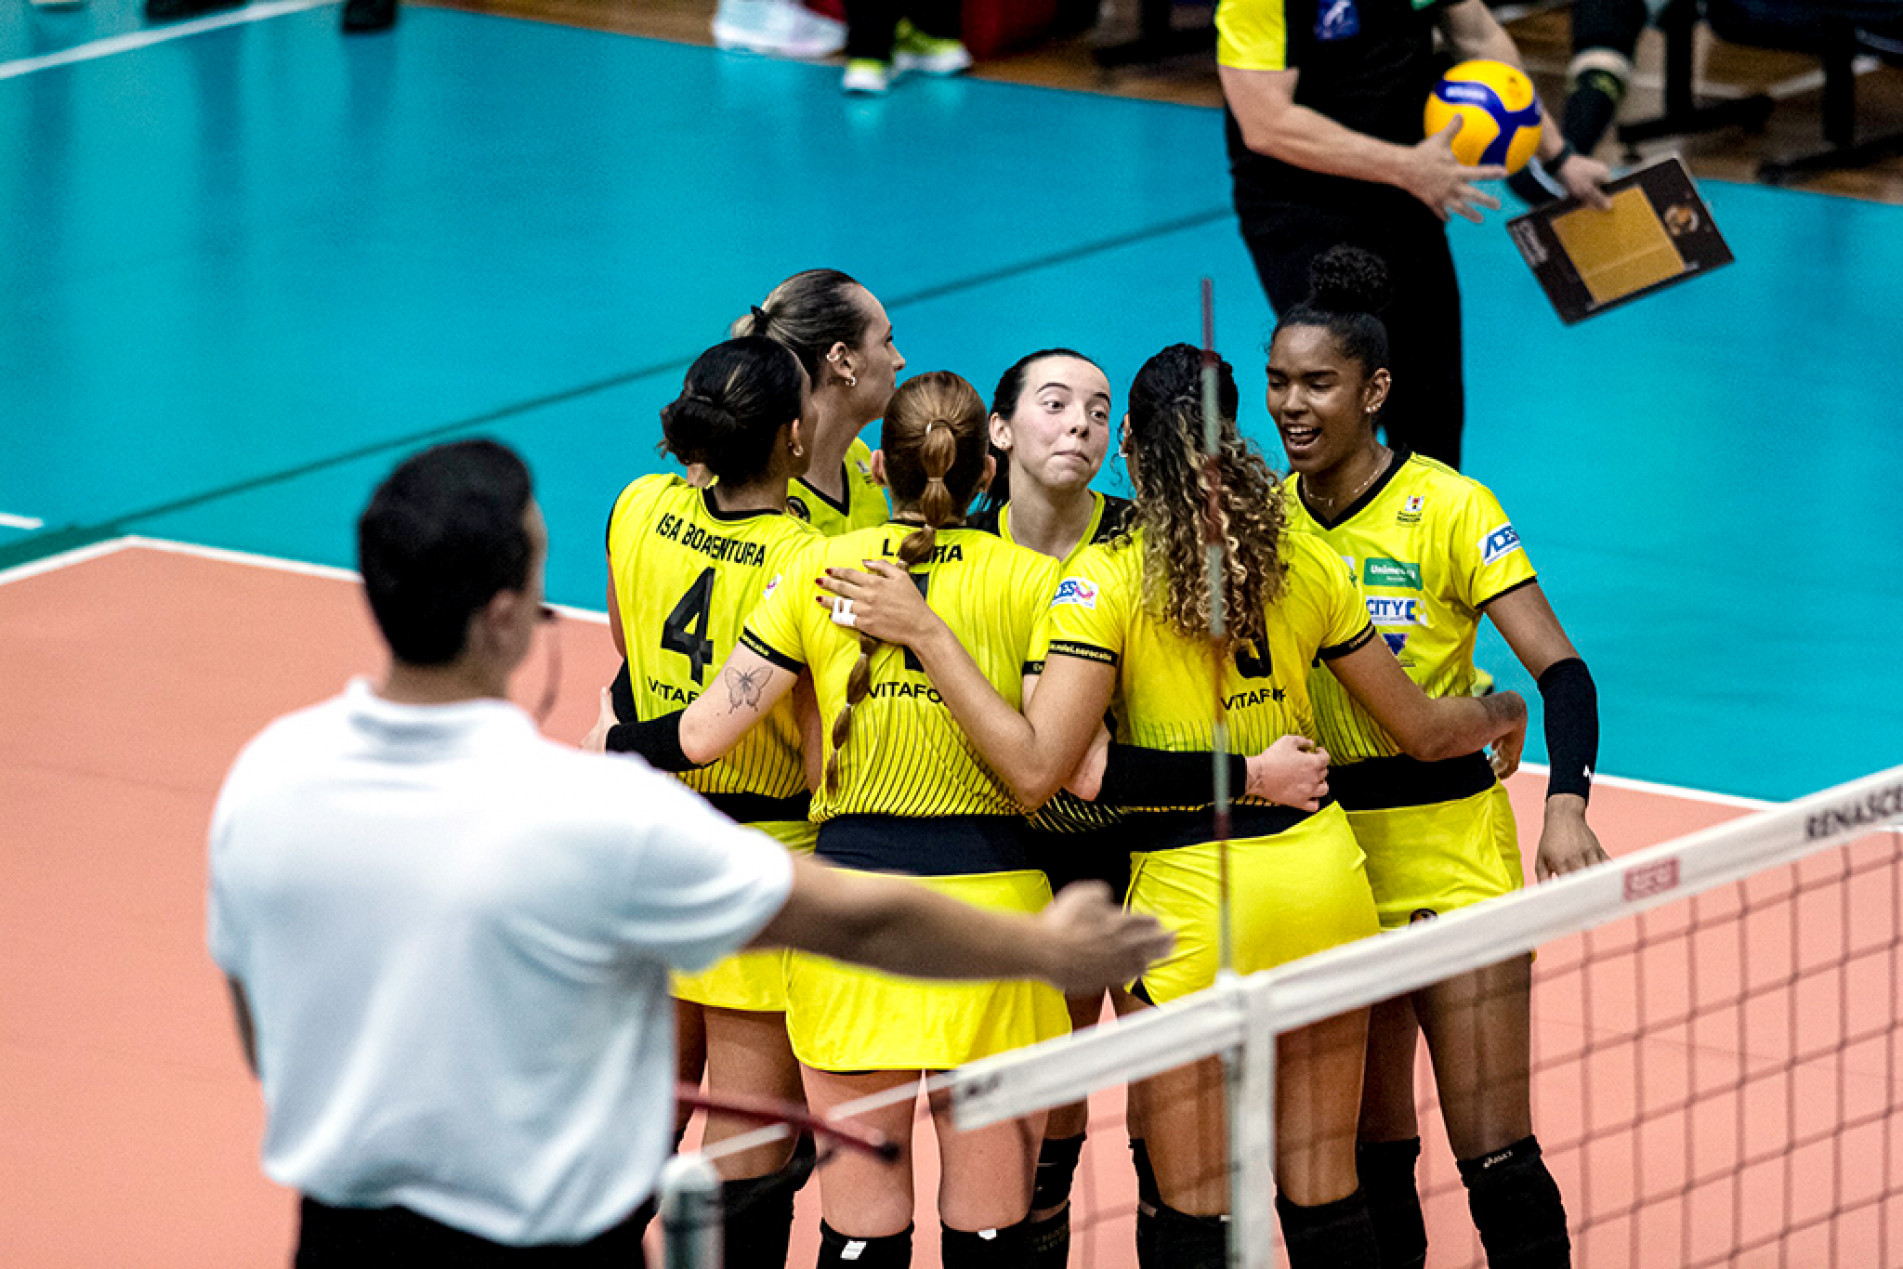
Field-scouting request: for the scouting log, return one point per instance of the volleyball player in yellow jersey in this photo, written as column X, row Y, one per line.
column 686, row 565
column 1130, row 622
column 904, row 791
column 843, row 338
column 1435, row 553
column 1050, row 433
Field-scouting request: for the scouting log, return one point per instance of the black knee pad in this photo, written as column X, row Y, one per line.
column 756, row 1220
column 1056, row 1167
column 1517, row 1208
column 1177, row 1240
column 1008, row 1248
column 1337, row 1235
column 893, row 1251
column 1386, row 1169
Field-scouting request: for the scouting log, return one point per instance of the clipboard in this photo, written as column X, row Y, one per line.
column 1659, row 233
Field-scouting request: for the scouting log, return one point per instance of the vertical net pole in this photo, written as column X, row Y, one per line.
column 1213, row 542
column 690, row 1213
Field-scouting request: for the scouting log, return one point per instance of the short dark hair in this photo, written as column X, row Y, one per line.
column 443, row 534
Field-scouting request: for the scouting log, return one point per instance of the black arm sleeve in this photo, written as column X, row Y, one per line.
column 1572, row 726
column 1134, row 776
column 658, row 740
column 621, row 694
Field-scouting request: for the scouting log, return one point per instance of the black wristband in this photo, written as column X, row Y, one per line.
column 1572, row 726
column 658, row 740
column 1558, row 161
column 1135, row 776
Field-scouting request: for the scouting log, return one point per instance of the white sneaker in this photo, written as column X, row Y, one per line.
column 863, row 75
column 913, row 50
column 777, row 28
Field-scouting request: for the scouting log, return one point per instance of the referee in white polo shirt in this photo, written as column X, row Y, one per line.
column 448, row 939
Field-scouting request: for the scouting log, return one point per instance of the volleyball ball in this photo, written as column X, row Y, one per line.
column 1498, row 110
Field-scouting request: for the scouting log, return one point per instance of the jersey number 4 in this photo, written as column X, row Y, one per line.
column 685, row 630
column 1252, row 660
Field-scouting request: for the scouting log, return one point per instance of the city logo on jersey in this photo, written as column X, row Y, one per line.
column 1075, row 590
column 1337, row 20
column 1499, row 544
column 1411, row 510
column 1395, row 642
column 1386, row 611
column 797, row 508
column 1395, row 573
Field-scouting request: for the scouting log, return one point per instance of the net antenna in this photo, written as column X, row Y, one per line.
column 692, row 1207
column 1248, row 1069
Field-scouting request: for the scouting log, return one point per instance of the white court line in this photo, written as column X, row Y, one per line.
column 223, row 556
column 157, row 35
column 20, row 522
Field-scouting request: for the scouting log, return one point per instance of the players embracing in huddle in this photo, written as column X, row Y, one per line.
column 930, row 696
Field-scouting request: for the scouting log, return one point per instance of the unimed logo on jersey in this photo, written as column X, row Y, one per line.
column 1393, row 573
column 1075, row 590
column 1499, row 544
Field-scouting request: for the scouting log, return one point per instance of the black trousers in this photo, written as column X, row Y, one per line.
column 1427, row 405
column 373, row 1238
column 870, row 24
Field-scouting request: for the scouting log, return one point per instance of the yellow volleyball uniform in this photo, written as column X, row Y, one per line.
column 914, row 796
column 864, row 506
column 1298, row 884
column 1431, row 548
column 686, row 574
column 1077, row 840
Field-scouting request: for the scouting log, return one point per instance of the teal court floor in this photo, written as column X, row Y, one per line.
column 251, row 266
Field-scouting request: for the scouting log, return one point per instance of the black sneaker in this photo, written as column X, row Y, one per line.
column 173, row 10
column 369, row 15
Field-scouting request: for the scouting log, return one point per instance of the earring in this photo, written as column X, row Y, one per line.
column 852, row 381
column 796, row 449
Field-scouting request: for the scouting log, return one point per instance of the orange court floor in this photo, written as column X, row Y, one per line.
column 137, row 670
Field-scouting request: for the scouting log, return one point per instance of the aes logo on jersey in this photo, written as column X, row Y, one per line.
column 1499, row 544
column 1075, row 590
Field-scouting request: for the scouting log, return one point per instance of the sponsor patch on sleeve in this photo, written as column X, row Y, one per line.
column 1499, row 544
column 1075, row 590
column 771, row 587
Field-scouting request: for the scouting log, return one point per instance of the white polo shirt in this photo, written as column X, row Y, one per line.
column 454, row 936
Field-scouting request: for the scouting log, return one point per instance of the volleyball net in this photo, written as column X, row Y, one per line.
column 1715, row 1054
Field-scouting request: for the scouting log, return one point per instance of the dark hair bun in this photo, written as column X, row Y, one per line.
column 696, row 427
column 1345, row 279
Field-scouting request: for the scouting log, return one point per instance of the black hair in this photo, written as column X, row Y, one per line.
column 809, row 313
column 443, row 534
column 733, row 403
column 1004, row 401
column 1347, row 289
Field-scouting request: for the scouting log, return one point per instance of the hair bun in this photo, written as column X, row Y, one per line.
column 1347, row 279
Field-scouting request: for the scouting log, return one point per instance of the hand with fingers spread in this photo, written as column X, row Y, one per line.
column 1291, row 772
column 596, row 741
column 1444, row 183
column 1567, row 842
column 883, row 602
column 1095, row 943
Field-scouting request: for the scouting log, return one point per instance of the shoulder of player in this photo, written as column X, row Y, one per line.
column 1119, row 514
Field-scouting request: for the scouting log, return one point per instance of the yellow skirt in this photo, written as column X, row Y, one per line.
column 750, row 980
column 844, row 1018
column 1424, row 861
column 1293, row 893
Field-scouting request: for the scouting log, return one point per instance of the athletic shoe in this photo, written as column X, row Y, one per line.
column 364, row 16
column 912, row 49
column 865, row 75
column 777, row 28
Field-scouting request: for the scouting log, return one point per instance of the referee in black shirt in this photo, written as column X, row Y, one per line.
column 1324, row 126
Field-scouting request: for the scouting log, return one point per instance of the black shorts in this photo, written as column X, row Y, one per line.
column 375, row 1237
column 1099, row 854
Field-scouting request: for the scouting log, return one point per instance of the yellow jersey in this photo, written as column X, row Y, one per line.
column 864, row 506
column 1167, row 682
column 906, row 756
column 1431, row 548
column 686, row 574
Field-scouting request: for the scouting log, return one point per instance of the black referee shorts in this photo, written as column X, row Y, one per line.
column 379, row 1237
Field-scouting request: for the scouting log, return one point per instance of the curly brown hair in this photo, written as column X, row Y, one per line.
column 934, row 442
column 1170, row 475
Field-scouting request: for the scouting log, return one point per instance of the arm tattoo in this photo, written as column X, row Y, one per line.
column 743, row 688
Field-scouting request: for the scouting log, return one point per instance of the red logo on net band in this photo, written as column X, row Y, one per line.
column 1649, row 879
